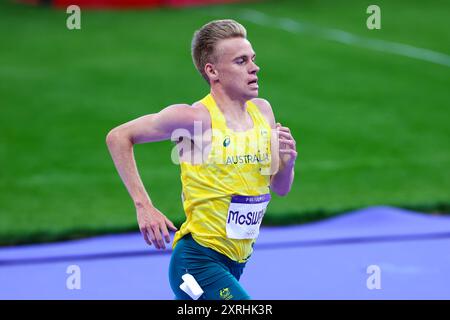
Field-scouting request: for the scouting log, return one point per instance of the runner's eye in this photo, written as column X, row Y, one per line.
column 241, row 60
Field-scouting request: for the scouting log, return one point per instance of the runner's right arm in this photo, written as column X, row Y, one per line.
column 120, row 141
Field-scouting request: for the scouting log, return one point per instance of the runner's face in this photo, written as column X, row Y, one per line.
column 236, row 68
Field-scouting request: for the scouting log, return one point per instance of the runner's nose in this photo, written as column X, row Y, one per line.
column 254, row 68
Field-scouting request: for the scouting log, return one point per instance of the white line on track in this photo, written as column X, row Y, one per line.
column 344, row 37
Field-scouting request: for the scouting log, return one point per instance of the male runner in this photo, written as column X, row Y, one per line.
column 231, row 153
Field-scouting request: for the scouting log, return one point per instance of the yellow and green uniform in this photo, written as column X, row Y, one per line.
column 207, row 187
column 237, row 166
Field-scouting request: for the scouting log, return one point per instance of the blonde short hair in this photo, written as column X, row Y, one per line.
column 206, row 38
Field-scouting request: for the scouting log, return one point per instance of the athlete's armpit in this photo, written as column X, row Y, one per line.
column 266, row 110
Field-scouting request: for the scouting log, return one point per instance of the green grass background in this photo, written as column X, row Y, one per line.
column 372, row 128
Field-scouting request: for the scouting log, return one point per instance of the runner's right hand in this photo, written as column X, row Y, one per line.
column 153, row 226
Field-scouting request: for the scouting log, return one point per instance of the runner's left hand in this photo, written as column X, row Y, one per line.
column 287, row 146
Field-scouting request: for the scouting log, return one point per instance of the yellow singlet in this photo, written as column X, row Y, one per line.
column 234, row 167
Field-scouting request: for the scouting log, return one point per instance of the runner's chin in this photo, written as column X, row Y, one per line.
column 253, row 90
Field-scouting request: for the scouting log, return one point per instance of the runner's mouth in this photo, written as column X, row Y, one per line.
column 253, row 83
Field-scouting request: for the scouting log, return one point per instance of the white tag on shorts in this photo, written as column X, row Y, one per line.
column 245, row 215
column 191, row 286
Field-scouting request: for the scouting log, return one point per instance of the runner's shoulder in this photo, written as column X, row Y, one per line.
column 194, row 112
column 201, row 112
column 265, row 108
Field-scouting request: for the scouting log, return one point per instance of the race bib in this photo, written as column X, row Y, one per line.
column 245, row 215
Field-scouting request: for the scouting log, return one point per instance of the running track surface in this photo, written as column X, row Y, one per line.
column 321, row 260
